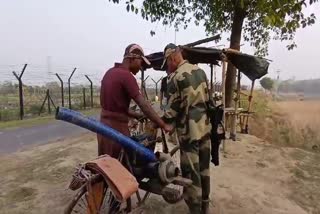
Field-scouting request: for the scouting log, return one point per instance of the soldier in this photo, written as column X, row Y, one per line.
column 163, row 94
column 187, row 111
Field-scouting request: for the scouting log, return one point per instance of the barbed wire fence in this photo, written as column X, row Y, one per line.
column 29, row 90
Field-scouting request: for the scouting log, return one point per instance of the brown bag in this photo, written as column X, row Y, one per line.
column 121, row 182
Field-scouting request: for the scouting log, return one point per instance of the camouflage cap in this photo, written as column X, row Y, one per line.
column 168, row 50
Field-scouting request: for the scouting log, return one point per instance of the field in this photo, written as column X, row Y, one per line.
column 297, row 123
column 301, row 114
column 291, row 122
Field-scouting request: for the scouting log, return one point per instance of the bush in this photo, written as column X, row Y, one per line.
column 35, row 109
column 9, row 114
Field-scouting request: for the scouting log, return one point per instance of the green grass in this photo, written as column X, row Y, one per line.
column 39, row 120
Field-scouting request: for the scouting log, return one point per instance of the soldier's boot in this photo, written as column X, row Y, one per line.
column 205, row 207
column 195, row 209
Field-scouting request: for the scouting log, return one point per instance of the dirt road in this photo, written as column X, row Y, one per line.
column 254, row 177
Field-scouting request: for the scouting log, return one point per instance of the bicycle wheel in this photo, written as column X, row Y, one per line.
column 109, row 205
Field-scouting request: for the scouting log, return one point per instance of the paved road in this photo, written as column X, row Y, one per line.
column 17, row 139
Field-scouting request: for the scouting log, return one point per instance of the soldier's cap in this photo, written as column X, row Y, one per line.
column 168, row 50
column 135, row 51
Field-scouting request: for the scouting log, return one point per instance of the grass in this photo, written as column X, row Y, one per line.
column 301, row 114
column 286, row 123
column 298, row 122
column 39, row 120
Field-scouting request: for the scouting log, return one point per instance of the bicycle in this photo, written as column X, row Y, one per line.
column 162, row 178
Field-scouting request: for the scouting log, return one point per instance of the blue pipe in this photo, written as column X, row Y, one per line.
column 93, row 125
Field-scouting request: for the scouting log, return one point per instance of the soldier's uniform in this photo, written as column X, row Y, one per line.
column 187, row 110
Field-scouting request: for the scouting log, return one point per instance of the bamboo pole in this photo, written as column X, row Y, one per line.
column 233, row 131
column 224, row 99
column 201, row 41
column 211, row 79
column 249, row 107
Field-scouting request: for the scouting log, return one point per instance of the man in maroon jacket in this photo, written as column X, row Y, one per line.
column 118, row 88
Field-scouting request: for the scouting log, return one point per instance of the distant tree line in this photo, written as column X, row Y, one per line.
column 307, row 87
column 267, row 83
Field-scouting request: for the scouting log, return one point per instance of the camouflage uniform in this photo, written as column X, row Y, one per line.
column 188, row 94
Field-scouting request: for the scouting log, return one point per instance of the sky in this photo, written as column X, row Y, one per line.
column 55, row 36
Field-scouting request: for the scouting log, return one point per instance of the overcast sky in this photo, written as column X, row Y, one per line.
column 92, row 34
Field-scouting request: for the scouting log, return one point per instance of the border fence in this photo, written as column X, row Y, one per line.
column 27, row 92
column 31, row 93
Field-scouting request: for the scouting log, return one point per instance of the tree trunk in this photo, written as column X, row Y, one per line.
column 235, row 39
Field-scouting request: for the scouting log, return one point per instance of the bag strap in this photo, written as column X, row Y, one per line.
column 210, row 95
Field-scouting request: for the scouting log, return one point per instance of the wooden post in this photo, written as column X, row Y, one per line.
column 224, row 99
column 199, row 42
column 249, row 107
column 215, row 73
column 211, row 79
column 233, row 131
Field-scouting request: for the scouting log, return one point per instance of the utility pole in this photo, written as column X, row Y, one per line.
column 49, row 64
column 278, row 81
column 278, row 74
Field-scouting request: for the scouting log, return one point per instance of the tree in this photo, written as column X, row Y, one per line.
column 257, row 21
column 53, row 86
column 267, row 83
column 7, row 88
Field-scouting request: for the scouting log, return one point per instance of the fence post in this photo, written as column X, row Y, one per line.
column 44, row 101
column 19, row 78
column 84, row 97
column 91, row 90
column 156, row 83
column 69, row 88
column 62, row 90
column 144, row 87
column 142, row 80
column 48, row 97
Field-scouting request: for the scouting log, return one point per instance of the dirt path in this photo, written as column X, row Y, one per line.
column 254, row 177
